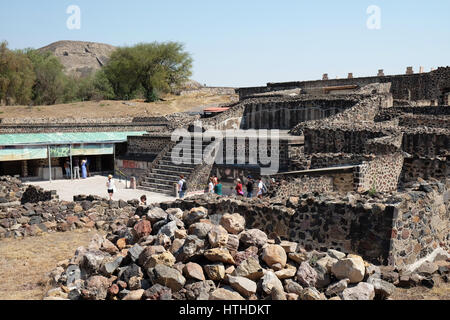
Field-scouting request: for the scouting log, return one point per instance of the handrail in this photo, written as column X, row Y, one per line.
column 120, row 173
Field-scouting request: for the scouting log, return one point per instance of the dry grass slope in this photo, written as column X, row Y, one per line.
column 115, row 109
column 24, row 263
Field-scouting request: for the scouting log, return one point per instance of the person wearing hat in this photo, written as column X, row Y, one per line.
column 110, row 186
column 249, row 187
column 238, row 188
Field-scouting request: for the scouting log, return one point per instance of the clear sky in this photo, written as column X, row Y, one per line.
column 248, row 42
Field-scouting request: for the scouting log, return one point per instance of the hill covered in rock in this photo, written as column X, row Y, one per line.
column 79, row 57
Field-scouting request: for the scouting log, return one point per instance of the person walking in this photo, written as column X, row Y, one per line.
column 110, row 186
column 238, row 188
column 83, row 169
column 76, row 168
column 249, row 187
column 67, row 168
column 182, row 187
column 218, row 188
column 211, row 185
column 261, row 188
column 88, row 162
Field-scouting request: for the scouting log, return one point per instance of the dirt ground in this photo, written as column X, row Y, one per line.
column 24, row 263
column 106, row 108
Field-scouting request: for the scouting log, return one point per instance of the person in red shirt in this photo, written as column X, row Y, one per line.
column 238, row 188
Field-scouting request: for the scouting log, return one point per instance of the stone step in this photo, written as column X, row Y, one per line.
column 171, row 171
column 159, row 186
column 169, row 163
column 157, row 190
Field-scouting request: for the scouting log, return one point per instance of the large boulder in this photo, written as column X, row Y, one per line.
column 156, row 214
column 270, row 281
column 225, row 293
column 194, row 215
column 168, row 277
column 275, row 256
column 233, row 223
column 218, row 237
column 253, row 237
column 383, row 289
column 362, row 291
column 349, row 268
column 306, row 275
column 244, row 286
column 250, row 269
column 200, row 229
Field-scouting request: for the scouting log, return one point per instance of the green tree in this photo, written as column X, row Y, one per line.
column 50, row 78
column 149, row 69
column 16, row 76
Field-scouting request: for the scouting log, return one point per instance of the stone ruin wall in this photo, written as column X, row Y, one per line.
column 421, row 86
column 394, row 230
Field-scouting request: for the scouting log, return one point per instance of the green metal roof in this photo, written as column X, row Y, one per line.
column 65, row 138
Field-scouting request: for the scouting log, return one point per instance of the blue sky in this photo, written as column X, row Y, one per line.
column 248, row 42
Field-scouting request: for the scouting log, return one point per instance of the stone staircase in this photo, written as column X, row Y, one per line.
column 165, row 174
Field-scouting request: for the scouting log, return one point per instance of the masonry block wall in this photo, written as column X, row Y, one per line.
column 147, row 144
column 392, row 230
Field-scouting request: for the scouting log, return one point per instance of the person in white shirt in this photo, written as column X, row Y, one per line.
column 181, row 187
column 260, row 188
column 211, row 185
column 110, row 186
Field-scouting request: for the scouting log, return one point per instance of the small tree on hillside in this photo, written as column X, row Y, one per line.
column 153, row 68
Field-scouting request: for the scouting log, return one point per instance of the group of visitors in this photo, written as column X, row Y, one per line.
column 250, row 187
column 215, row 186
column 76, row 168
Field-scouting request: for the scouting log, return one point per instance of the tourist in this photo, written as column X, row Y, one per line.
column 211, row 185
column 218, row 188
column 238, row 188
column 67, row 168
column 261, row 188
column 110, row 186
column 88, row 162
column 83, row 169
column 249, row 187
column 215, row 180
column 76, row 168
column 143, row 200
column 182, row 187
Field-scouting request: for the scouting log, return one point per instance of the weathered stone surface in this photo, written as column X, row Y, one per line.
column 200, row 229
column 166, row 258
column 148, row 252
column 250, row 269
column 293, row 287
column 383, row 289
column 253, row 237
column 288, row 246
column 218, row 237
column 327, row 262
column 96, row 288
column 349, row 268
column 134, row 252
column 336, row 254
column 288, row 272
column 306, row 275
column 194, row 215
column 337, row 288
column 215, row 271
column 225, row 293
column 200, row 290
column 142, row 229
column 310, row 294
column 244, row 286
column 169, row 229
column 427, row 268
column 158, row 292
column 177, row 212
column 269, row 281
column 323, row 276
column 274, row 254
column 233, row 223
column 134, row 295
column 193, row 271
column 244, row 255
column 192, row 247
column 110, row 265
column 177, row 245
column 168, row 277
column 219, row 255
column 298, row 257
column 278, row 294
column 362, row 291
column 156, row 214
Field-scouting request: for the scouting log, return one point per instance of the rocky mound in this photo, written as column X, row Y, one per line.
column 80, row 58
column 175, row 255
